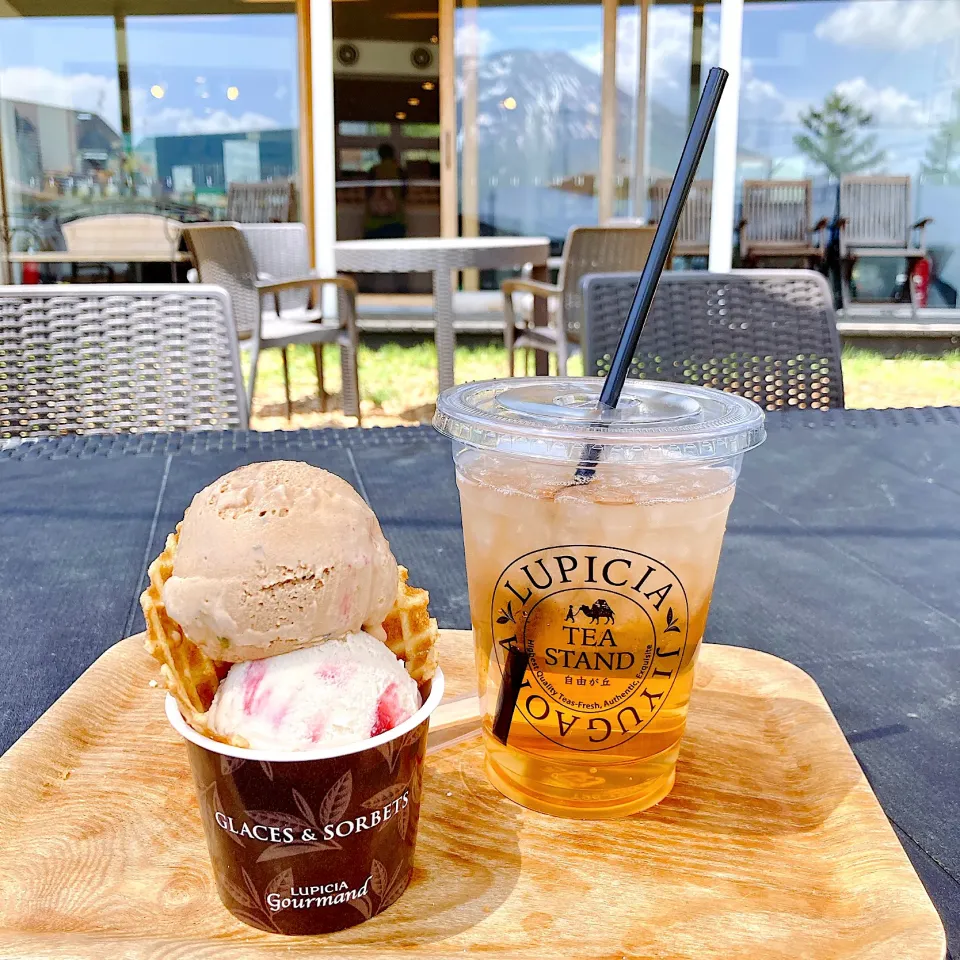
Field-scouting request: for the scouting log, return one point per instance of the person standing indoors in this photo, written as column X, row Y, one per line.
column 384, row 216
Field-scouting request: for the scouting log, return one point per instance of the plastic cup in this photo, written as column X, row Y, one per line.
column 312, row 842
column 589, row 600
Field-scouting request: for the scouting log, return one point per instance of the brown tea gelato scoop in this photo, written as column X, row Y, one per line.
column 277, row 556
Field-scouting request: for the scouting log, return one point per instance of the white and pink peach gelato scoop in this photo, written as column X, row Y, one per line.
column 338, row 692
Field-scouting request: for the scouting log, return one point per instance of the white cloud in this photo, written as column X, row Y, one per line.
column 78, row 91
column 888, row 106
column 471, row 40
column 100, row 95
column 892, row 24
column 175, row 120
column 668, row 51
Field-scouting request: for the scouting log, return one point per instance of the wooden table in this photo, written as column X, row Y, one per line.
column 440, row 256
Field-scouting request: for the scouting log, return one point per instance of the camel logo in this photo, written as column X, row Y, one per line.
column 599, row 610
column 605, row 633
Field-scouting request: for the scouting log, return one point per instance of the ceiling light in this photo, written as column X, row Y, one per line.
column 434, row 39
column 508, row 103
column 428, row 85
column 413, row 102
column 400, row 115
column 157, row 91
column 233, row 93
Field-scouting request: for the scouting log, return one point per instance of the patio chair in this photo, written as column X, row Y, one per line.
column 693, row 231
column 272, row 201
column 112, row 235
column 278, row 311
column 90, row 358
column 769, row 335
column 874, row 221
column 776, row 223
column 587, row 250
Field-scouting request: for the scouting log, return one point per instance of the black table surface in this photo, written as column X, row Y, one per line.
column 842, row 555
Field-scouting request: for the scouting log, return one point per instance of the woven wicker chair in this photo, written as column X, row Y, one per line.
column 281, row 251
column 587, row 250
column 272, row 201
column 769, row 335
column 272, row 311
column 123, row 357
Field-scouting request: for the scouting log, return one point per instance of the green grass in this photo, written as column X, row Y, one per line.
column 398, row 379
column 910, row 380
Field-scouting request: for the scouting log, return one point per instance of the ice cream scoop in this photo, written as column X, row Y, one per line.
column 338, row 692
column 276, row 556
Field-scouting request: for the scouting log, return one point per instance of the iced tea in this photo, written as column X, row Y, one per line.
column 589, row 588
column 606, row 587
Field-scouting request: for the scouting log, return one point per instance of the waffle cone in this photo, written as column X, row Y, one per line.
column 185, row 670
column 411, row 633
column 193, row 678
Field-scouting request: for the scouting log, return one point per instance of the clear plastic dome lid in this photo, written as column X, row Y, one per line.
column 554, row 418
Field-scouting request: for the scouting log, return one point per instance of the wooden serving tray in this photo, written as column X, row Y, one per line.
column 771, row 845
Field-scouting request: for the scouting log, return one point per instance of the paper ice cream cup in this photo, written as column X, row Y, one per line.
column 312, row 842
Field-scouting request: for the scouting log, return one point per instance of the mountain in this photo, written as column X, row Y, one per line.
column 554, row 131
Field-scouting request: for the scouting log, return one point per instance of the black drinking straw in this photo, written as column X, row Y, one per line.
column 657, row 259
column 517, row 659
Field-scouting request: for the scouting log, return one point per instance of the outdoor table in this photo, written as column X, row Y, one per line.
column 841, row 556
column 75, row 257
column 441, row 255
column 100, row 256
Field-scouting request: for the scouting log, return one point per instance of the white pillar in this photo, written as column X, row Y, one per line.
column 324, row 146
column 725, row 139
column 638, row 175
column 606, row 191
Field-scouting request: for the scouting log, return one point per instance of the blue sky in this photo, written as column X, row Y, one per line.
column 72, row 62
column 899, row 58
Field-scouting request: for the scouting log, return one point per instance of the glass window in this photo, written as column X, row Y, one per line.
column 868, row 87
column 142, row 113
column 387, row 108
column 430, row 131
column 362, row 128
column 353, row 159
column 63, row 146
column 215, row 95
column 682, row 45
column 528, row 92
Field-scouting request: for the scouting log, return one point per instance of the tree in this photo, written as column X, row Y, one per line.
column 942, row 162
column 833, row 138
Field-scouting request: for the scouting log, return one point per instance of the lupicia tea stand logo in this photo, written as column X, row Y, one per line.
column 605, row 630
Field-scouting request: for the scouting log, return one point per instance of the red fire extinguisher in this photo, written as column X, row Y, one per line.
column 920, row 281
column 30, row 272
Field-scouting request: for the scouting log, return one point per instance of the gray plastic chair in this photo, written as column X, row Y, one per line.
column 769, row 335
column 587, row 250
column 91, row 358
column 277, row 311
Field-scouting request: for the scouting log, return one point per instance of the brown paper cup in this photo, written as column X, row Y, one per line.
column 312, row 842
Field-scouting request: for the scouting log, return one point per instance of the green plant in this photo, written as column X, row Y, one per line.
column 941, row 165
column 833, row 137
